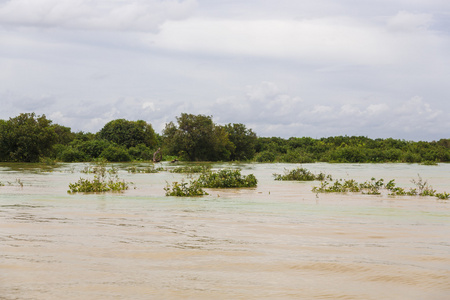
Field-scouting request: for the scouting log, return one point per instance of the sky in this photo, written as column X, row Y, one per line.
column 375, row 68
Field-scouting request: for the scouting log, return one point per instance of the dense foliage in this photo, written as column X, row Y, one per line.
column 354, row 149
column 183, row 189
column 197, row 138
column 226, row 178
column 31, row 138
column 26, row 138
column 300, row 174
column 129, row 133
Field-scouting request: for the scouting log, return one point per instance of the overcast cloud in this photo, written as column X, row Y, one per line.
column 284, row 68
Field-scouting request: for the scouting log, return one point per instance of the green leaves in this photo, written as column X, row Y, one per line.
column 300, row 174
column 26, row 138
column 183, row 189
column 128, row 133
column 222, row 179
column 227, row 179
column 197, row 138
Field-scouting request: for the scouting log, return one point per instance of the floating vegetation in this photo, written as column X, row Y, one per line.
column 301, row 174
column 227, row 178
column 374, row 187
column 182, row 189
column 191, row 169
column 149, row 169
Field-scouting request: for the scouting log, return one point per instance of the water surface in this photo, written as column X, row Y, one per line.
column 277, row 241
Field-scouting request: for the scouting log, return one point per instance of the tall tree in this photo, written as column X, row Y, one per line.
column 197, row 138
column 244, row 141
column 129, row 133
column 26, row 138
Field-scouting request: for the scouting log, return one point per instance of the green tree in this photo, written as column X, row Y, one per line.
column 244, row 141
column 197, row 138
column 26, row 138
column 129, row 133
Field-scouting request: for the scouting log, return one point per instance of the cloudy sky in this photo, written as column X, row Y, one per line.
column 377, row 68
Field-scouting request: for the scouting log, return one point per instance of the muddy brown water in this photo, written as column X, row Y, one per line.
column 277, row 241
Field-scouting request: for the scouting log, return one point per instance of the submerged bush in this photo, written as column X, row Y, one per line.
column 97, row 185
column 184, row 190
column 104, row 180
column 149, row 169
column 374, row 187
column 191, row 169
column 300, row 174
column 227, row 178
column 443, row 196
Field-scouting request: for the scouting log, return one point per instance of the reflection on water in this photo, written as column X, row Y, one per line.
column 278, row 241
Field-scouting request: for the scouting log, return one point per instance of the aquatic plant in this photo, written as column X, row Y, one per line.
column 98, row 184
column 338, row 186
column 99, row 168
column 182, row 189
column 424, row 188
column 149, row 169
column 375, row 187
column 372, row 187
column 191, row 169
column 443, row 196
column 301, row 174
column 104, row 180
column 227, row 178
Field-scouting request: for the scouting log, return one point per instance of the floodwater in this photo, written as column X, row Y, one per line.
column 277, row 241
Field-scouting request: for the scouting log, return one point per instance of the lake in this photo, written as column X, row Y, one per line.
column 276, row 241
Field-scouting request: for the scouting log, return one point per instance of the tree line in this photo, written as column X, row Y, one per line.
column 33, row 138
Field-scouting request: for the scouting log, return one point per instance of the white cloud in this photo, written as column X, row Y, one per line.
column 406, row 21
column 412, row 117
column 281, row 67
column 323, row 41
column 376, row 109
column 140, row 15
column 315, row 40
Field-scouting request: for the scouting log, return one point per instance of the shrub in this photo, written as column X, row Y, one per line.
column 97, row 185
column 443, row 196
column 116, row 154
column 374, row 186
column 300, row 174
column 184, row 190
column 191, row 169
column 265, row 156
column 296, row 156
column 141, row 152
column 72, row 155
column 227, row 179
column 149, row 169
